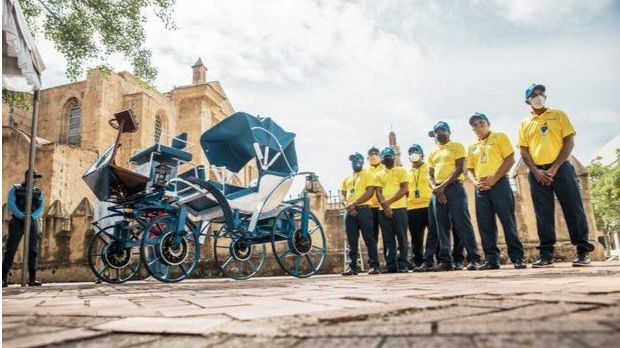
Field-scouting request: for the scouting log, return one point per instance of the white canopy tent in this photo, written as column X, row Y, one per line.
column 21, row 61
column 21, row 72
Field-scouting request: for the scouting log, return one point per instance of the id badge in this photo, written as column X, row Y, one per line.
column 417, row 193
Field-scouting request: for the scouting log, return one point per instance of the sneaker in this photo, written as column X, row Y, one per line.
column 350, row 272
column 424, row 268
column 443, row 267
column 390, row 270
column 5, row 283
column 374, row 270
column 488, row 266
column 582, row 260
column 458, row 266
column 543, row 263
column 402, row 270
column 34, row 283
column 519, row 264
column 472, row 266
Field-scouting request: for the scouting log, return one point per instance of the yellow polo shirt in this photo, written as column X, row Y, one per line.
column 544, row 135
column 374, row 201
column 486, row 156
column 443, row 160
column 356, row 184
column 418, row 181
column 389, row 180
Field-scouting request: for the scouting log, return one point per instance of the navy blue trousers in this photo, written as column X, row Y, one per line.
column 498, row 201
column 395, row 230
column 565, row 188
column 353, row 225
column 454, row 211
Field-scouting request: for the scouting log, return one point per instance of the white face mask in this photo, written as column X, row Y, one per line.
column 414, row 157
column 538, row 102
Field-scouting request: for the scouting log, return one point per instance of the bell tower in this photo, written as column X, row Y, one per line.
column 199, row 75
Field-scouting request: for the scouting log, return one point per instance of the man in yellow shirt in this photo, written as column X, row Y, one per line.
column 449, row 200
column 392, row 189
column 356, row 190
column 546, row 139
column 375, row 167
column 417, row 207
column 488, row 161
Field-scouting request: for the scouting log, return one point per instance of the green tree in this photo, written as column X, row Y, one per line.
column 87, row 32
column 605, row 191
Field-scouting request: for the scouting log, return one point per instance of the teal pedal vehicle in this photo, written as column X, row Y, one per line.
column 161, row 215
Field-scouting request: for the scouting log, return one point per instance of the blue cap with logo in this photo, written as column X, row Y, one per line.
column 387, row 152
column 530, row 90
column 415, row 148
column 440, row 125
column 477, row 116
column 356, row 157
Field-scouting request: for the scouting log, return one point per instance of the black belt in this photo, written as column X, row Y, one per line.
column 547, row 166
column 362, row 206
column 544, row 166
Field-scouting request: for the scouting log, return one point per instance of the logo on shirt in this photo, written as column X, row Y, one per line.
column 544, row 129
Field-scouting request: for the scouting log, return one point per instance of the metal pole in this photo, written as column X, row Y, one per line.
column 30, row 183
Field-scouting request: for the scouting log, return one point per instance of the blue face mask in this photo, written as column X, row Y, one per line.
column 357, row 166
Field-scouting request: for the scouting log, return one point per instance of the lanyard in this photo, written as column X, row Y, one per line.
column 355, row 177
column 417, row 178
column 484, row 150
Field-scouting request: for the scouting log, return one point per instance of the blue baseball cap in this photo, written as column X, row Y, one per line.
column 478, row 116
column 373, row 149
column 415, row 148
column 530, row 90
column 388, row 151
column 439, row 125
column 356, row 157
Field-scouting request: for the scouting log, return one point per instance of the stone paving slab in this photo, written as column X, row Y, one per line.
column 556, row 307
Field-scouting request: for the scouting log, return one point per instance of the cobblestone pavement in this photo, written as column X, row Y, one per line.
column 556, row 307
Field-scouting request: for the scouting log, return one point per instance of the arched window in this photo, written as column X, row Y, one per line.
column 159, row 124
column 73, row 117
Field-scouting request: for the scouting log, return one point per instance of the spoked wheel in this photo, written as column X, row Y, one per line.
column 169, row 256
column 112, row 260
column 299, row 253
column 237, row 257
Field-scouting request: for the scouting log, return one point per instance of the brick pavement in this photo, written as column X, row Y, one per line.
column 557, row 307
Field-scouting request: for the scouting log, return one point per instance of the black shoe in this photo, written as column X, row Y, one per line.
column 443, row 267
column 34, row 283
column 390, row 270
column 350, row 272
column 582, row 260
column 473, row 266
column 424, row 268
column 458, row 266
column 488, row 266
column 543, row 263
column 5, row 283
column 403, row 270
column 519, row 264
column 374, row 270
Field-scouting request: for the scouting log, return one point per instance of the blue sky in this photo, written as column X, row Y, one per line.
column 341, row 73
